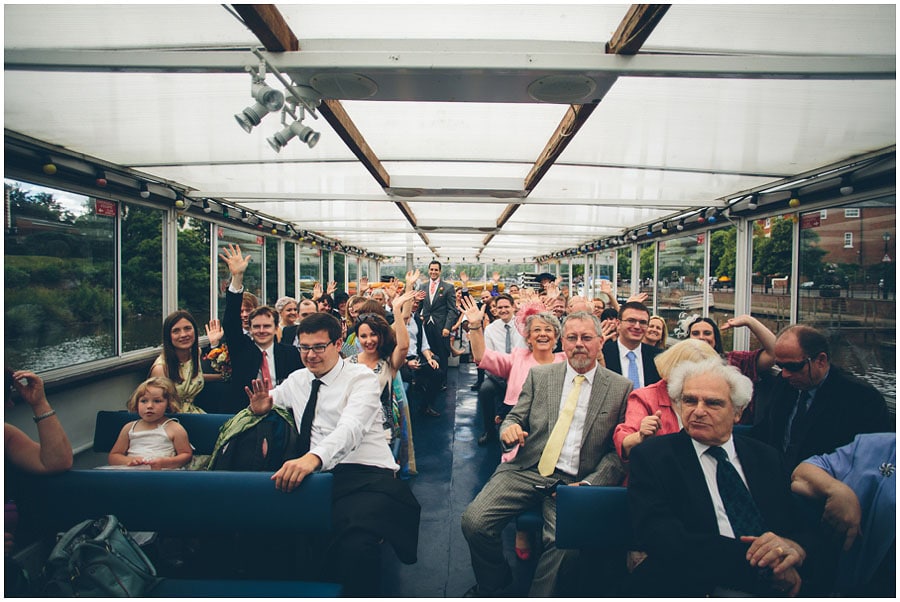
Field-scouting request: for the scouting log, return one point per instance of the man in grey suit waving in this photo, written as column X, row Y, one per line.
column 438, row 313
column 563, row 424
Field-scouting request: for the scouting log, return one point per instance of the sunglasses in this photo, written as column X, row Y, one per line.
column 793, row 366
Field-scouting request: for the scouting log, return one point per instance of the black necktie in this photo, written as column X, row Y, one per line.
column 739, row 505
column 796, row 425
column 308, row 414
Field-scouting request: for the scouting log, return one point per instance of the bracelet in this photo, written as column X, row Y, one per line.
column 475, row 327
column 44, row 415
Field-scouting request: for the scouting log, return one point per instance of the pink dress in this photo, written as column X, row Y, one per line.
column 514, row 367
column 644, row 402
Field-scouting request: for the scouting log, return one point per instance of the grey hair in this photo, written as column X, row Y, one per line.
column 740, row 386
column 279, row 305
column 544, row 316
column 583, row 315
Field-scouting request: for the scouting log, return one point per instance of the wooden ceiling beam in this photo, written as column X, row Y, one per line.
column 334, row 113
column 267, row 24
column 635, row 28
column 633, row 31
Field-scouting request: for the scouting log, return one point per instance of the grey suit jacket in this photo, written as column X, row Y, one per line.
column 538, row 409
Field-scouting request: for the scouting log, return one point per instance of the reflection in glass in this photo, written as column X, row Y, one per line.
column 309, row 271
column 648, row 269
column 849, row 291
column 251, row 244
column 142, row 270
column 290, row 281
column 271, row 270
column 680, row 291
column 59, row 305
column 770, row 297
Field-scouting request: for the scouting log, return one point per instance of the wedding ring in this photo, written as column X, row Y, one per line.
column 780, row 550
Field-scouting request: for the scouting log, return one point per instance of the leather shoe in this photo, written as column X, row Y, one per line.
column 475, row 387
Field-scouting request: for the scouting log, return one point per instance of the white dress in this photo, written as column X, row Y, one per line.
column 154, row 443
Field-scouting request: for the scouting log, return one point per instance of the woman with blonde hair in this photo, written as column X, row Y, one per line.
column 649, row 411
column 657, row 333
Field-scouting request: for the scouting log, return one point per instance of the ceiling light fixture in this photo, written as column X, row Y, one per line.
column 101, row 180
column 680, row 225
column 794, row 201
column 268, row 100
column 754, row 201
column 245, row 217
column 207, row 206
column 846, row 186
column 144, row 191
column 49, row 167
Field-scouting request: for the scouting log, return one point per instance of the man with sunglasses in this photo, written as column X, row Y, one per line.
column 337, row 406
column 816, row 406
column 628, row 355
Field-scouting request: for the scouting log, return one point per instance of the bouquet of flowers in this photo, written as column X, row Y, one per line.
column 220, row 361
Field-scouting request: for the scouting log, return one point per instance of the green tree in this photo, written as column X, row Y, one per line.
column 648, row 257
column 723, row 252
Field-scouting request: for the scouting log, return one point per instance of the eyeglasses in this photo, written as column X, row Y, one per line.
column 317, row 349
column 363, row 317
column 793, row 366
column 585, row 338
column 636, row 322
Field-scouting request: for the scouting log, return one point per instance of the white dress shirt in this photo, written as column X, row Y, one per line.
column 348, row 425
column 571, row 449
column 624, row 361
column 709, row 464
column 495, row 336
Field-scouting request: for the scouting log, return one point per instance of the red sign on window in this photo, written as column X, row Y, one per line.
column 107, row 208
column 701, row 238
column 810, row 220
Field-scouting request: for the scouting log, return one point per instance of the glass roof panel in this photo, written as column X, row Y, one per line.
column 575, row 22
column 122, row 26
column 819, row 28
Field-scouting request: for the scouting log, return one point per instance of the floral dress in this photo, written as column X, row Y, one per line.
column 389, row 407
column 188, row 388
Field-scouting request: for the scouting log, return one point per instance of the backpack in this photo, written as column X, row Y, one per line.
column 259, row 445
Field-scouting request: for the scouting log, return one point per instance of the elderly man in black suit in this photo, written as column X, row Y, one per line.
column 816, row 407
column 563, row 424
column 628, row 355
column 258, row 356
column 706, row 505
column 438, row 315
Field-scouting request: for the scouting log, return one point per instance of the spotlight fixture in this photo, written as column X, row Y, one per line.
column 303, row 132
column 268, row 100
column 207, row 207
column 846, row 186
column 145, row 191
column 794, row 202
column 754, row 201
column 101, row 180
column 49, row 167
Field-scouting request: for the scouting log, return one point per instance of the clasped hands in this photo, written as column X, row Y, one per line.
column 779, row 554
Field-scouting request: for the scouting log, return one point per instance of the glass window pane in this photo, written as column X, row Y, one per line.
column 623, row 286
column 309, row 271
column 722, row 262
column 271, row 270
column 849, row 292
column 59, row 307
column 352, row 274
column 770, row 299
column 290, row 284
column 681, row 283
column 251, row 244
column 142, row 272
column 648, row 269
column 193, row 269
column 339, row 276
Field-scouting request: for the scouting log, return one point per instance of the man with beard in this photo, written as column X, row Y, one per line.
column 563, row 424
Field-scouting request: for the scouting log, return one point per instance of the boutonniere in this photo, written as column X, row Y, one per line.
column 887, row 469
column 440, row 289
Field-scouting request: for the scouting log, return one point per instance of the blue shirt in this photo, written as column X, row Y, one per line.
column 868, row 466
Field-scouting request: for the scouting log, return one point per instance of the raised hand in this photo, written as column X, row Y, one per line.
column 495, row 276
column 236, row 262
column 317, row 291
column 363, row 285
column 464, row 278
column 332, row 286
column 412, row 277
column 473, row 313
column 215, row 332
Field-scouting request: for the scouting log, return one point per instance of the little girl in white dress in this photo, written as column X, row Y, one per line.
column 155, row 440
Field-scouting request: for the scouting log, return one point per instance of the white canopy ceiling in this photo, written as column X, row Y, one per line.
column 719, row 100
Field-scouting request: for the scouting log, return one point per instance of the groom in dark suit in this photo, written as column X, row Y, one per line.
column 438, row 315
column 247, row 353
column 628, row 355
column 563, row 425
column 706, row 505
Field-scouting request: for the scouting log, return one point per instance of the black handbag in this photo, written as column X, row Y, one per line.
column 98, row 559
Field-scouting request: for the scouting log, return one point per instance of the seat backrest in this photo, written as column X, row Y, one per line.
column 179, row 501
column 202, row 429
column 593, row 518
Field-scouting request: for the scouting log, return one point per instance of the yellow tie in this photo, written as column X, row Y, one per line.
column 558, row 436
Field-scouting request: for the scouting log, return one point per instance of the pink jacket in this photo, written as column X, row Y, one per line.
column 644, row 402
